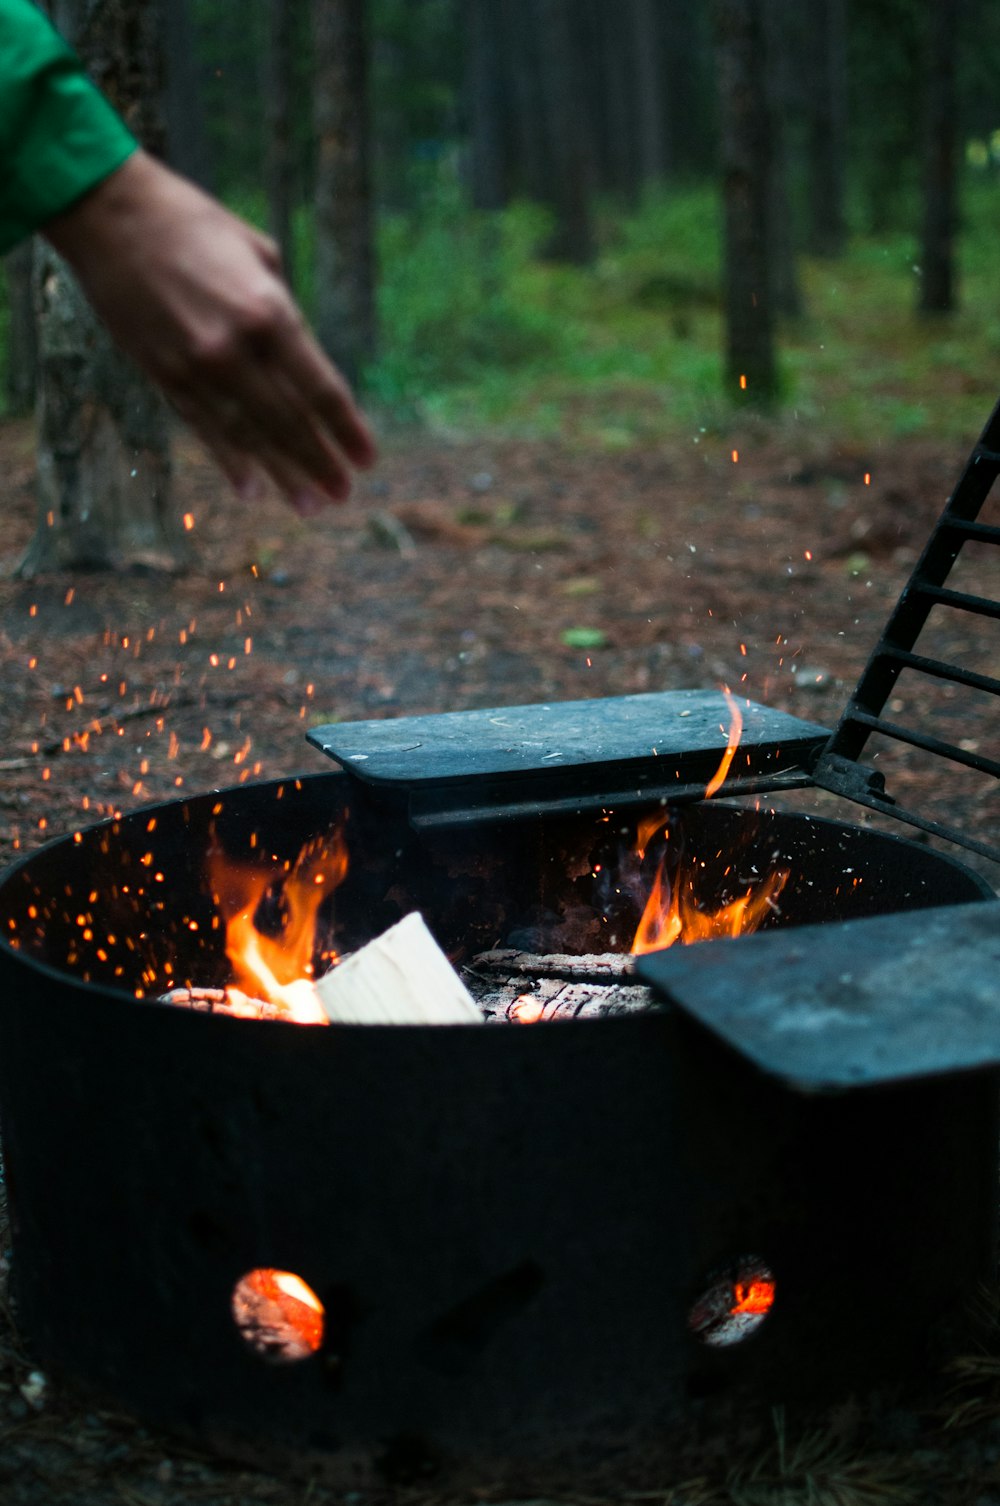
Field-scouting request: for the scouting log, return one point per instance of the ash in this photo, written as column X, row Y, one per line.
column 523, row 988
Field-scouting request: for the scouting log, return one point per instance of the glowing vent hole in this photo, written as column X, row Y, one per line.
column 278, row 1315
column 735, row 1302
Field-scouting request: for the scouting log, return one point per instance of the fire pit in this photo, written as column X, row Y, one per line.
column 396, row 1248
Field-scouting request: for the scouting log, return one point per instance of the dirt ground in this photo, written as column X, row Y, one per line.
column 465, row 575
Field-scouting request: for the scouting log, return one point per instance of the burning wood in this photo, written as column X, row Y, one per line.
column 400, row 978
column 595, row 967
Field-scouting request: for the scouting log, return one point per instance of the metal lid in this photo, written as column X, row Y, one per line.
column 852, row 1003
column 571, row 755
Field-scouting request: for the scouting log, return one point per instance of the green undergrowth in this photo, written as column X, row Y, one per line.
column 479, row 332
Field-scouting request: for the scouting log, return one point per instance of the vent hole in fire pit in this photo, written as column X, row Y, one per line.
column 278, row 1315
column 736, row 1300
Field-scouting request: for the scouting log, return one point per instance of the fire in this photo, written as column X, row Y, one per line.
column 752, row 1297
column 734, row 1303
column 278, row 1314
column 672, row 911
column 277, row 968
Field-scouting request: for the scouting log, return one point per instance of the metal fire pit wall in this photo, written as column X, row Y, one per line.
column 508, row 1227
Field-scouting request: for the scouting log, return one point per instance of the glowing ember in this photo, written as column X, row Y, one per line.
column 526, row 1009
column 276, row 968
column 672, row 911
column 278, row 1315
column 752, row 1296
column 734, row 1303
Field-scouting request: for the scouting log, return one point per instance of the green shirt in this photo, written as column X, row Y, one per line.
column 59, row 136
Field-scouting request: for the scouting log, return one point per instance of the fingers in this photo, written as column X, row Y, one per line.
column 328, row 395
column 244, row 455
column 267, row 394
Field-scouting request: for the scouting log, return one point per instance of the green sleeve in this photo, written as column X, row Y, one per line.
column 59, row 137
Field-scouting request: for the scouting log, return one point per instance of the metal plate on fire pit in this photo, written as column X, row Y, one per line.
column 568, row 755
column 851, row 1003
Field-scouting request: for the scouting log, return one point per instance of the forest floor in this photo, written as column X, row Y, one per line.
column 462, row 575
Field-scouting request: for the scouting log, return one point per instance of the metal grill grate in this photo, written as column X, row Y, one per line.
column 837, row 768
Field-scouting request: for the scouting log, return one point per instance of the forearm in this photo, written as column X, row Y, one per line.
column 58, row 136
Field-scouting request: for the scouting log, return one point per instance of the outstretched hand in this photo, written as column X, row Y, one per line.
column 195, row 296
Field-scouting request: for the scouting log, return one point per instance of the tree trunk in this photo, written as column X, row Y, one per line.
column 648, row 64
column 187, row 134
column 786, row 294
column 938, row 280
column 617, row 122
column 278, row 160
column 569, row 191
column 104, row 470
column 484, row 94
column 745, row 154
column 532, row 167
column 345, row 254
column 22, row 334
column 827, row 141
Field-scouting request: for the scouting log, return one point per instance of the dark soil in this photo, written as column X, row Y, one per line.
column 453, row 581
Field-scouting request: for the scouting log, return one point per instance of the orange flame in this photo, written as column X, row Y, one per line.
column 735, row 733
column 752, row 1296
column 276, row 968
column 671, row 911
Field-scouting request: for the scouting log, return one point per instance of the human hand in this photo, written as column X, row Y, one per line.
column 195, row 296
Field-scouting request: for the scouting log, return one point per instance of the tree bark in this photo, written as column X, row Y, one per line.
column 570, row 189
column 938, row 280
column 786, row 293
column 22, row 334
column 652, row 137
column 827, row 129
column 345, row 254
column 484, row 95
column 531, row 168
column 745, row 142
column 104, row 466
column 617, row 120
column 278, row 165
column 187, row 135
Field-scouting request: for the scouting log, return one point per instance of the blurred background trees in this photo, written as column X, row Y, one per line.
column 673, row 193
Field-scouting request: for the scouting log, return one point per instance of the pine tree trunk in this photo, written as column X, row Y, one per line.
column 745, row 145
column 278, row 156
column 187, row 134
column 786, row 293
column 532, row 166
column 104, row 468
column 618, row 123
column 570, row 189
column 938, row 280
column 649, row 73
column 827, row 105
column 484, row 96
column 22, row 333
column 345, row 255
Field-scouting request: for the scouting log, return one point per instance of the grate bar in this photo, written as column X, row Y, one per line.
column 983, row 533
column 896, row 650
column 887, row 807
column 983, row 606
column 942, row 671
column 928, row 743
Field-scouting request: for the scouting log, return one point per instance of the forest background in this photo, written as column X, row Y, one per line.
column 536, row 239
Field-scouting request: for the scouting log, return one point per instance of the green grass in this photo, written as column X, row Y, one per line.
column 479, row 332
column 630, row 348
